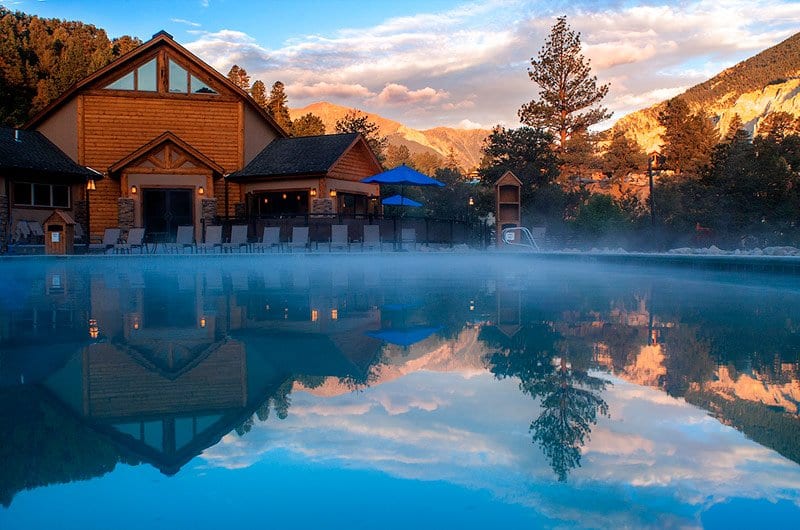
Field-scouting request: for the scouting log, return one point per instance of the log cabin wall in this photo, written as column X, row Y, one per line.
column 115, row 126
column 356, row 164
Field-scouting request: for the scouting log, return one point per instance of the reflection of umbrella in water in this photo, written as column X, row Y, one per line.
column 399, row 200
column 403, row 176
column 403, row 336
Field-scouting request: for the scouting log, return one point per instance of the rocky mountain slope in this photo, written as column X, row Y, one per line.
column 466, row 144
column 767, row 82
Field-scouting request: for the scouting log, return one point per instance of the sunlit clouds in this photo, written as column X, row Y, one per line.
column 468, row 64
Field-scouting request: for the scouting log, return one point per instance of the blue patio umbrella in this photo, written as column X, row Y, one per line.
column 403, row 176
column 399, row 200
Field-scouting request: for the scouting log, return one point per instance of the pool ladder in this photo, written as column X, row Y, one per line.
column 510, row 237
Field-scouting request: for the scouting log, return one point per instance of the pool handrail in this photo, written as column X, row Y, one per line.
column 523, row 231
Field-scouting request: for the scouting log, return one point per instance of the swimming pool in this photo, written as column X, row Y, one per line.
column 386, row 391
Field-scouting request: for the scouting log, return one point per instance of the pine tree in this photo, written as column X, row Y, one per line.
column 308, row 125
column 779, row 125
column 277, row 106
column 569, row 96
column 397, row 155
column 358, row 122
column 623, row 157
column 689, row 139
column 239, row 77
column 259, row 93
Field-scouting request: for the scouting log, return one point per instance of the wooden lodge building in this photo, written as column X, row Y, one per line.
column 170, row 141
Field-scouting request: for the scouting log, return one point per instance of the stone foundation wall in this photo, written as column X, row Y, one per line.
column 126, row 218
column 208, row 211
column 5, row 220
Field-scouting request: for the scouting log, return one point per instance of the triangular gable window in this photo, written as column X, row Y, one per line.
column 182, row 82
column 142, row 79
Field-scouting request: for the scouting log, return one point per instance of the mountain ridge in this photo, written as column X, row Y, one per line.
column 465, row 144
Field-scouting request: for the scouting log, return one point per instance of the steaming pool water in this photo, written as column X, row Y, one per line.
column 394, row 392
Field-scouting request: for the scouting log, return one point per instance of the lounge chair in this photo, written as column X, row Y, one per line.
column 213, row 239
column 339, row 237
column 110, row 240
column 184, row 238
column 79, row 233
column 238, row 239
column 22, row 232
column 299, row 238
column 135, row 239
column 270, row 239
column 372, row 237
column 37, row 232
column 408, row 236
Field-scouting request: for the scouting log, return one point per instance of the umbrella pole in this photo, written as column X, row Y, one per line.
column 400, row 234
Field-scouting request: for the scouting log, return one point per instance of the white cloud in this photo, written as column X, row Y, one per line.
column 396, row 94
column 187, row 22
column 324, row 90
column 469, row 124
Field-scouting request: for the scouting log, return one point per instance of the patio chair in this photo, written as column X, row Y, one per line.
column 270, row 239
column 37, row 232
column 213, row 239
column 339, row 237
column 184, row 238
column 299, row 238
column 79, row 233
column 408, row 236
column 110, row 240
column 22, row 232
column 372, row 237
column 238, row 239
column 135, row 239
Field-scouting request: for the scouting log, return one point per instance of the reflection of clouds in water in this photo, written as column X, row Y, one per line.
column 438, row 426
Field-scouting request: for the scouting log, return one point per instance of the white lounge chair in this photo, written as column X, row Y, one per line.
column 184, row 238
column 270, row 239
column 37, row 232
column 372, row 237
column 339, row 237
column 135, row 239
column 213, row 239
column 299, row 238
column 110, row 240
column 238, row 239
column 408, row 237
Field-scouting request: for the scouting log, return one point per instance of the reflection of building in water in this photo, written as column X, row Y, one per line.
column 171, row 363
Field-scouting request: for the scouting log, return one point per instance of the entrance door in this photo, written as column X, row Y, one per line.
column 163, row 211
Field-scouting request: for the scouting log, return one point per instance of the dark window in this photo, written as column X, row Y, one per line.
column 22, row 193
column 48, row 195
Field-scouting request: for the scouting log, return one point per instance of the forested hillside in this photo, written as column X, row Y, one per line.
column 42, row 57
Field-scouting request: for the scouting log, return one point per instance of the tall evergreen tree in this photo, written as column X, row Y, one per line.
column 569, row 98
column 397, row 155
column 357, row 121
column 779, row 125
column 623, row 157
column 277, row 106
column 239, row 77
column 259, row 93
column 308, row 125
column 689, row 139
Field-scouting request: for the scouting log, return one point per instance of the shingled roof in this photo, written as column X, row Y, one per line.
column 30, row 153
column 306, row 155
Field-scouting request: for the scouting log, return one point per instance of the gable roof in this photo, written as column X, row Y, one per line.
column 157, row 142
column 160, row 39
column 304, row 155
column 30, row 153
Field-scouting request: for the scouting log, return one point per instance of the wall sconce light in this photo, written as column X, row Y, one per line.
column 134, row 190
column 471, row 201
column 201, row 190
column 202, row 322
column 94, row 329
column 266, row 200
column 334, row 314
column 333, row 193
column 90, row 185
column 298, row 197
column 313, row 192
column 283, row 196
column 314, row 315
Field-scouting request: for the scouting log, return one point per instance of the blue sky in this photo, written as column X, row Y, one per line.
column 447, row 62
